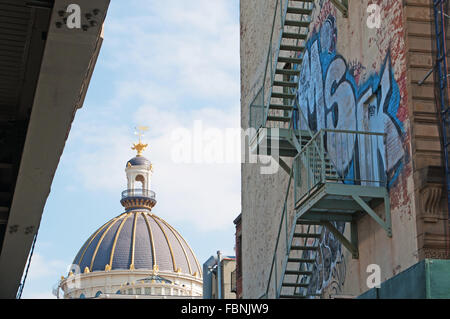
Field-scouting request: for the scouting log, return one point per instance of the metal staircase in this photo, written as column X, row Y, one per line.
column 275, row 107
column 325, row 190
column 440, row 17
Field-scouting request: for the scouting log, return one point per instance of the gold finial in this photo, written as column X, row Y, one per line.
column 86, row 270
column 140, row 147
column 107, row 267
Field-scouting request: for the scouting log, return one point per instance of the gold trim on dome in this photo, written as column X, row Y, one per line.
column 132, row 267
column 150, row 233
column 155, row 270
column 99, row 243
column 179, row 241
column 116, row 237
column 133, row 243
column 168, row 243
column 189, row 247
column 90, row 239
column 86, row 270
column 107, row 267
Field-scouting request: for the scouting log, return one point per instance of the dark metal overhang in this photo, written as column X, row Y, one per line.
column 45, row 69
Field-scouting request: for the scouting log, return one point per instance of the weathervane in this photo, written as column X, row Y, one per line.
column 140, row 147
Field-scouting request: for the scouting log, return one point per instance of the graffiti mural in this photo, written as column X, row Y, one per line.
column 335, row 94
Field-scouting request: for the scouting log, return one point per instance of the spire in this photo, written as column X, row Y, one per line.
column 140, row 147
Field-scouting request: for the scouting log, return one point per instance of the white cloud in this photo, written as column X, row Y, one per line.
column 206, row 194
column 43, row 268
column 190, row 47
column 178, row 63
column 41, row 277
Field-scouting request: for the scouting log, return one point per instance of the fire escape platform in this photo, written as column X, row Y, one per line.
column 337, row 202
column 278, row 141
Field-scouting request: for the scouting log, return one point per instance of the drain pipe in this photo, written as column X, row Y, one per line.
column 219, row 275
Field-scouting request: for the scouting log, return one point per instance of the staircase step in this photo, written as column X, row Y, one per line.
column 283, row 96
column 298, row 272
column 304, row 247
column 299, row 285
column 293, row 23
column 281, row 107
column 289, row 60
column 288, row 72
column 298, row 36
column 278, row 118
column 301, row 260
column 308, row 222
column 299, row 10
column 285, row 47
column 303, row 235
column 285, row 84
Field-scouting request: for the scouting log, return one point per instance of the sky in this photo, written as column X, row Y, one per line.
column 173, row 66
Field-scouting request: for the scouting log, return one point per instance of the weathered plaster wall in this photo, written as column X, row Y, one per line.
column 347, row 62
column 262, row 195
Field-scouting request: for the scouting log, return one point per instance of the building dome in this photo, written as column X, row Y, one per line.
column 138, row 161
column 134, row 240
column 118, row 258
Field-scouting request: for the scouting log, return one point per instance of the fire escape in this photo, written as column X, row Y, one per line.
column 440, row 18
column 326, row 190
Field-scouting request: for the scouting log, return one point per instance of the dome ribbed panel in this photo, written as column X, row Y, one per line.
column 143, row 258
column 104, row 250
column 122, row 253
column 192, row 259
column 149, row 245
column 162, row 250
column 87, row 257
column 181, row 260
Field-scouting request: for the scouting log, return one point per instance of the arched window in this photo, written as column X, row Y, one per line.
column 82, row 296
column 98, row 294
column 140, row 178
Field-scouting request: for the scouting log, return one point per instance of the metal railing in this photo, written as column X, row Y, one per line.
column 138, row 193
column 340, row 156
column 257, row 111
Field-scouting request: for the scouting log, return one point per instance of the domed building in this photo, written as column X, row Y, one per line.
column 136, row 254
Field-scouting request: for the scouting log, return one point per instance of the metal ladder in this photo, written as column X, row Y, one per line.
column 303, row 238
column 440, row 16
column 296, row 20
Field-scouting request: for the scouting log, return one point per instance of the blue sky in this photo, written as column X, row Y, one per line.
column 164, row 64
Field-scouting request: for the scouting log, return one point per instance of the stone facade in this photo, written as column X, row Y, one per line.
column 374, row 68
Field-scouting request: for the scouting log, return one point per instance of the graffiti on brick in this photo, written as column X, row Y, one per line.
column 333, row 96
